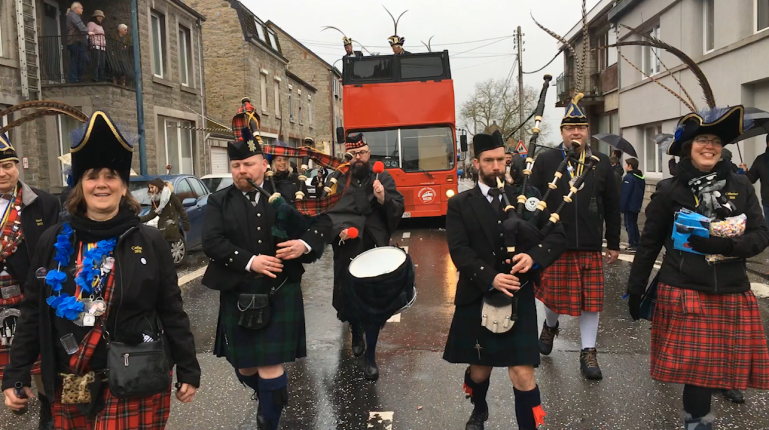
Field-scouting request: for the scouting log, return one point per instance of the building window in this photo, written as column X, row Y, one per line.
column 276, row 90
column 290, row 103
column 309, row 109
column 651, row 61
column 299, row 99
column 158, row 44
column 612, row 38
column 709, row 25
column 263, row 89
column 652, row 152
column 762, row 14
column 608, row 123
column 273, row 41
column 180, row 146
column 65, row 125
column 260, row 29
column 185, row 55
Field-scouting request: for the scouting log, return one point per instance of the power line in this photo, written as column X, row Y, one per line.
column 476, row 65
column 320, row 42
column 543, row 67
column 479, row 47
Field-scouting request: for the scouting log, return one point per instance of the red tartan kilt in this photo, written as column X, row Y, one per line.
column 573, row 284
column 149, row 413
column 708, row 340
column 5, row 358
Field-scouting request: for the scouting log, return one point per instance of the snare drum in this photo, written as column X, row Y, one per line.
column 381, row 284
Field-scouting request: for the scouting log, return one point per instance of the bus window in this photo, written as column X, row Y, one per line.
column 418, row 67
column 384, row 147
column 428, row 149
column 372, row 69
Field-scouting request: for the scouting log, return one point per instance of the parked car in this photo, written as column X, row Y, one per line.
column 217, row 181
column 194, row 196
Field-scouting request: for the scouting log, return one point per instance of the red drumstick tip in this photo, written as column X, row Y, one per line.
column 379, row 167
column 352, row 233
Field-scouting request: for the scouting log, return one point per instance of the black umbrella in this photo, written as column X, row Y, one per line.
column 760, row 126
column 663, row 140
column 618, row 142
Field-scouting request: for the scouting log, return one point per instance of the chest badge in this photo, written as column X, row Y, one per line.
column 136, row 249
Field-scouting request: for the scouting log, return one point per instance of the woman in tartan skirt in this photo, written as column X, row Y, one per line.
column 101, row 277
column 706, row 330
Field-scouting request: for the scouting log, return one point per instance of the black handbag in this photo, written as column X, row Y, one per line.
column 649, row 299
column 136, row 371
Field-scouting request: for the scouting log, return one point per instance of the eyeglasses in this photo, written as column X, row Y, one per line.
column 357, row 154
column 570, row 128
column 703, row 141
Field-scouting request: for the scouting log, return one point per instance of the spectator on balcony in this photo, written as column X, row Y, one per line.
column 98, row 45
column 76, row 37
column 119, row 63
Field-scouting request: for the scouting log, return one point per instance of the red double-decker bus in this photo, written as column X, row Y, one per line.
column 404, row 105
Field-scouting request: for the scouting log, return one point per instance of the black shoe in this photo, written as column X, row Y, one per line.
column 371, row 372
column 358, row 344
column 477, row 419
column 588, row 362
column 631, row 249
column 546, row 338
column 734, row 396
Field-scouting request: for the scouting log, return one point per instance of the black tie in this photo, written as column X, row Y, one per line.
column 252, row 197
column 495, row 193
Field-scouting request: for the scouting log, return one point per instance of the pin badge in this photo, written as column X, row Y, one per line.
column 143, row 261
column 531, row 204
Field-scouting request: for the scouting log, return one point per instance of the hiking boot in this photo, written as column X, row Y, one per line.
column 477, row 419
column 734, row 396
column 546, row 338
column 588, row 362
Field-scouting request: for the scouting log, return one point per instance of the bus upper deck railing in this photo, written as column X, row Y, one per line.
column 377, row 69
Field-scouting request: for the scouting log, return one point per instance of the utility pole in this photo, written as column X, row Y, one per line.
column 519, row 39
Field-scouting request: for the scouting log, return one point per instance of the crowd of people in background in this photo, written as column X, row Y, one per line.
column 89, row 45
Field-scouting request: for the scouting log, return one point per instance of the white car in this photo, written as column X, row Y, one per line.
column 217, row 181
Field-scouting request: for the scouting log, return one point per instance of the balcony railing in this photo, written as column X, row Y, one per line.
column 76, row 59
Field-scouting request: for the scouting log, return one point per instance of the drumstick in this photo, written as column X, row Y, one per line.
column 352, row 233
column 378, row 168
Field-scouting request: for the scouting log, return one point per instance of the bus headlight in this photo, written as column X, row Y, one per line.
column 450, row 193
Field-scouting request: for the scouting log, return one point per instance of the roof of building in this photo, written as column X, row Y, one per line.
column 189, row 9
column 249, row 22
column 301, row 81
column 597, row 11
column 621, row 7
column 328, row 66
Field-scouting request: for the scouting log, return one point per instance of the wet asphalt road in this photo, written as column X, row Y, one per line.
column 417, row 389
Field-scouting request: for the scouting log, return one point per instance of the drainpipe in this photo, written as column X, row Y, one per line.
column 138, row 87
column 202, row 96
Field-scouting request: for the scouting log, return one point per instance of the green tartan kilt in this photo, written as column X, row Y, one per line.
column 282, row 341
column 517, row 347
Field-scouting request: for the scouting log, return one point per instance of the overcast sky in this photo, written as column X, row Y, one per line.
column 451, row 22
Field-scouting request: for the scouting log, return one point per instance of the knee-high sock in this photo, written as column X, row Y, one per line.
column 551, row 318
column 477, row 392
column 697, row 400
column 372, row 336
column 528, row 408
column 249, row 381
column 273, row 395
column 588, row 329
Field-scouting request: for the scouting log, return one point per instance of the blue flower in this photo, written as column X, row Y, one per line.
column 55, row 278
column 55, row 301
column 69, row 308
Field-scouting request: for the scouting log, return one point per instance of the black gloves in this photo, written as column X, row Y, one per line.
column 634, row 305
column 711, row 245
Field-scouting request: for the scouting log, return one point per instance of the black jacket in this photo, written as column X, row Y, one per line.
column 584, row 227
column 41, row 211
column 288, row 184
column 236, row 231
column 471, row 233
column 691, row 271
column 760, row 170
column 145, row 285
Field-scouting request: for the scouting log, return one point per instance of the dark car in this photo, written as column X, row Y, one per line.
column 194, row 196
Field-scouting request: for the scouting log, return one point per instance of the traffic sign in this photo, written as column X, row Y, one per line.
column 521, row 148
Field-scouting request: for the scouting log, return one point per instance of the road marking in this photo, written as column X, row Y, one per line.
column 380, row 420
column 395, row 318
column 760, row 290
column 192, row 276
column 406, row 234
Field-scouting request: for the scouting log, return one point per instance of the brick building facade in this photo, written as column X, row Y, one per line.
column 172, row 80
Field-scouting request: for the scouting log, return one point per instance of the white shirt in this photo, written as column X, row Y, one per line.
column 256, row 202
column 4, row 204
column 485, row 191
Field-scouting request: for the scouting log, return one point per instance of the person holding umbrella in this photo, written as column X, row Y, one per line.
column 760, row 170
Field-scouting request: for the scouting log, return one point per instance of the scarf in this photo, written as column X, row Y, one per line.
column 706, row 187
column 90, row 231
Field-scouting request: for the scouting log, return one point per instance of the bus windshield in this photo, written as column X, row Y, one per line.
column 413, row 149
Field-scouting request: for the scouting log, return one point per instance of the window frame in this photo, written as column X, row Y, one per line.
column 658, row 155
column 309, row 110
column 273, row 40
column 299, row 100
column 276, row 90
column 161, row 18
column 187, row 53
column 181, row 125
column 259, row 25
column 707, row 33
column 655, row 31
column 755, row 16
column 291, row 103
column 263, row 100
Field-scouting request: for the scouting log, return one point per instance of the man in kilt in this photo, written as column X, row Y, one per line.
column 475, row 228
column 373, row 206
column 27, row 213
column 706, row 329
column 574, row 285
column 253, row 270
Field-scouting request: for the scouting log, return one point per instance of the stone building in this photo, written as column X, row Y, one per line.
column 171, row 75
column 246, row 58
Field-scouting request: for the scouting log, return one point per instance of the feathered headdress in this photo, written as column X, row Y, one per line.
column 427, row 45
column 395, row 39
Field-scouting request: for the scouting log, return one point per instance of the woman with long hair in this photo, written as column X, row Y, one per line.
column 104, row 309
column 165, row 206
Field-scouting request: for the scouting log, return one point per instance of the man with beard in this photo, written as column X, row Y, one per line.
column 286, row 180
column 476, row 226
column 574, row 285
column 373, row 207
column 28, row 212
